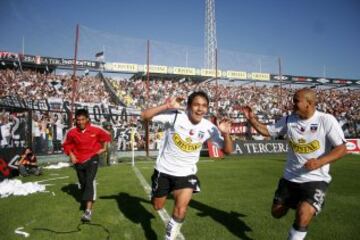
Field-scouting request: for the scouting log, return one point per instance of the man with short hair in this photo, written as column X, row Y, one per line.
column 84, row 143
column 175, row 167
column 316, row 140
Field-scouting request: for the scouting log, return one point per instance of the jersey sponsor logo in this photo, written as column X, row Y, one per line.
column 184, row 145
column 305, row 148
column 301, row 140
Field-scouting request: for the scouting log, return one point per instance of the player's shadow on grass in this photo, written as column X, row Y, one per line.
column 230, row 220
column 132, row 209
column 75, row 192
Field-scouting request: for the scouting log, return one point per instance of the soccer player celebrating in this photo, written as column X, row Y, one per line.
column 175, row 167
column 316, row 140
column 83, row 144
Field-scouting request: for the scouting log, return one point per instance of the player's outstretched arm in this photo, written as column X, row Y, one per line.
column 250, row 116
column 225, row 129
column 171, row 103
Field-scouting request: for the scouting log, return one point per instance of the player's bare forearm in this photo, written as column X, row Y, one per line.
column 228, row 144
column 259, row 127
column 149, row 113
column 332, row 156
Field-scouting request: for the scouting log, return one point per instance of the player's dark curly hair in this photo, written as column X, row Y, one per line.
column 195, row 94
column 82, row 112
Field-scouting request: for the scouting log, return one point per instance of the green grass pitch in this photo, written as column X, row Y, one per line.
column 234, row 203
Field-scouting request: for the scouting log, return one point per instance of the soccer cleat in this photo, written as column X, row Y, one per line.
column 86, row 217
column 172, row 230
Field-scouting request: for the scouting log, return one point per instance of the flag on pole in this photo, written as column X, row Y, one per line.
column 99, row 56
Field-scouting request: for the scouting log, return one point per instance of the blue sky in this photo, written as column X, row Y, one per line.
column 310, row 36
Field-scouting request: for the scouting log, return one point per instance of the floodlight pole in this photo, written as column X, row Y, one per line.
column 281, row 80
column 216, row 77
column 73, row 78
column 147, row 95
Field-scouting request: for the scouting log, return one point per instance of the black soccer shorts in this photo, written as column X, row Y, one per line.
column 163, row 184
column 291, row 194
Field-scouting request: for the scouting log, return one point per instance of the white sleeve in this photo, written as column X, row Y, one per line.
column 334, row 133
column 165, row 117
column 216, row 137
column 278, row 128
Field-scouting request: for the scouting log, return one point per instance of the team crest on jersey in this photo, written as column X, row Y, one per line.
column 201, row 134
column 313, row 127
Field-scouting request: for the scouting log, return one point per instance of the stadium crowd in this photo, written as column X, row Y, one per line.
column 48, row 129
column 269, row 102
column 34, row 85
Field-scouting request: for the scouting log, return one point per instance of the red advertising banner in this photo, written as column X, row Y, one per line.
column 353, row 145
column 214, row 151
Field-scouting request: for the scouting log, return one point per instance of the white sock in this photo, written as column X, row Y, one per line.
column 172, row 229
column 296, row 235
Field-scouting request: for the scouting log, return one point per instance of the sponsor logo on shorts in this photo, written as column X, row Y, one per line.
column 192, row 181
column 305, row 147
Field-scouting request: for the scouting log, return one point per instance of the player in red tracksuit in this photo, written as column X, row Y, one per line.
column 83, row 144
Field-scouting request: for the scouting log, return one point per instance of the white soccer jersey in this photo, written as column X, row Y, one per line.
column 310, row 138
column 182, row 143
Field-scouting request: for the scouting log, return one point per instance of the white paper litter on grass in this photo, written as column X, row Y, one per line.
column 58, row 165
column 25, row 234
column 17, row 188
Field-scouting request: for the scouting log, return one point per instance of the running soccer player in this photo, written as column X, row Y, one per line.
column 316, row 140
column 83, row 144
column 175, row 167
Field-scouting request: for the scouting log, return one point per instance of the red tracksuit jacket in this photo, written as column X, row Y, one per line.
column 85, row 143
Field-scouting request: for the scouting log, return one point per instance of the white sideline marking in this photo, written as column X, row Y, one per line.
column 52, row 179
column 162, row 212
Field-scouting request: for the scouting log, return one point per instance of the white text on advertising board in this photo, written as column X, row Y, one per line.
column 121, row 67
column 259, row 76
column 210, row 72
column 156, row 69
column 184, row 71
column 236, row 74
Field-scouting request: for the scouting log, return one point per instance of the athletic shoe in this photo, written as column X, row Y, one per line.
column 86, row 217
